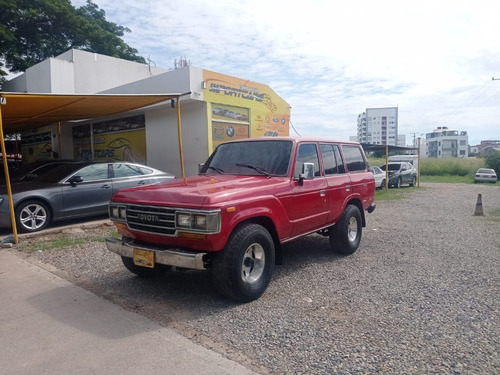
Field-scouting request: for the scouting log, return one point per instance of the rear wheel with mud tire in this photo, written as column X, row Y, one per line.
column 345, row 235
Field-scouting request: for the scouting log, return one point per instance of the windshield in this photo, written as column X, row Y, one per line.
column 392, row 167
column 484, row 170
column 250, row 158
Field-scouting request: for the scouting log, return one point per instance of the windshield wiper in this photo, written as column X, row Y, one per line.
column 258, row 169
column 218, row 170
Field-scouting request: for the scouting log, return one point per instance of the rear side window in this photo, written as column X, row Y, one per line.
column 94, row 172
column 354, row 158
column 329, row 160
column 129, row 170
column 307, row 154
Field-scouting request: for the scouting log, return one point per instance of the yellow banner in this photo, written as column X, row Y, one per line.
column 267, row 113
column 122, row 139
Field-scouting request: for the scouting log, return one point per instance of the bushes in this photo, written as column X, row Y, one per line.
column 492, row 161
column 449, row 166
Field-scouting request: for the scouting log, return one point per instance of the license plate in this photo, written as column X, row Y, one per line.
column 144, row 258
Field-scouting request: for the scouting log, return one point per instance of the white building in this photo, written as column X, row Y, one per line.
column 446, row 143
column 216, row 108
column 485, row 147
column 401, row 140
column 379, row 126
column 79, row 72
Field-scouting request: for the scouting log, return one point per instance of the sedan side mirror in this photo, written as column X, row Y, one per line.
column 75, row 179
column 30, row 177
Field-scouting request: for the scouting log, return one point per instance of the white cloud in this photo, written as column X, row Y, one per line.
column 330, row 60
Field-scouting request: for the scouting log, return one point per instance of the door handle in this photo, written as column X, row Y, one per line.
column 322, row 193
column 105, row 186
column 142, row 182
column 348, row 187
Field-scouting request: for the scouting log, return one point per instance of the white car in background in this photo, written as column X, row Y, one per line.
column 379, row 175
column 485, row 175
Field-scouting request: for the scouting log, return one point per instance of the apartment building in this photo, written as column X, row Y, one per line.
column 446, row 143
column 379, row 126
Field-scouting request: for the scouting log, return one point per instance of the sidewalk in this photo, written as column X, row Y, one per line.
column 51, row 326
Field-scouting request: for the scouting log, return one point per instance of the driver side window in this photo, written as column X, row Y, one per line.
column 308, row 153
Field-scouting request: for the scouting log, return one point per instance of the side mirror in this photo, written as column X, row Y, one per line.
column 200, row 167
column 75, row 179
column 307, row 173
column 30, row 177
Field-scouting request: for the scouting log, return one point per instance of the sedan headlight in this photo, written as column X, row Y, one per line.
column 198, row 221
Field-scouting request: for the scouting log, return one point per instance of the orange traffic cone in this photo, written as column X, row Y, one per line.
column 479, row 206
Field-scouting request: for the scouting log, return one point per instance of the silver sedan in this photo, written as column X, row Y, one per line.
column 72, row 191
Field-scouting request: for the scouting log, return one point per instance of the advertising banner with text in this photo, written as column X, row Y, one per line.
column 122, row 139
column 236, row 100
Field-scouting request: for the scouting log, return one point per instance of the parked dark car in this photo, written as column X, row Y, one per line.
column 401, row 173
column 32, row 170
column 72, row 190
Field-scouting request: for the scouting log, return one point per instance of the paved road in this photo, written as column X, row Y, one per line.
column 50, row 326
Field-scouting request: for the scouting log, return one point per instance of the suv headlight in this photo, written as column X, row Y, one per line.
column 198, row 221
column 117, row 212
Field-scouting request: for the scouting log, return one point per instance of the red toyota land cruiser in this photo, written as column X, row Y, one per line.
column 250, row 197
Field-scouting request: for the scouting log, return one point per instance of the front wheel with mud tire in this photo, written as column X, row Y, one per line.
column 345, row 235
column 243, row 269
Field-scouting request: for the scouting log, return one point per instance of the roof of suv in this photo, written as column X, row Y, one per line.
column 296, row 140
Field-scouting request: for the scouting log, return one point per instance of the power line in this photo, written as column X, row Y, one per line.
column 294, row 129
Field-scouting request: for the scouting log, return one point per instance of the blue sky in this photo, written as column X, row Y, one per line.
column 330, row 60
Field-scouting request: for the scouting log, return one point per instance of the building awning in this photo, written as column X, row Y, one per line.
column 22, row 111
column 25, row 111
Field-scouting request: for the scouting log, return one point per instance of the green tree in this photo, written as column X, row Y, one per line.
column 34, row 30
column 493, row 161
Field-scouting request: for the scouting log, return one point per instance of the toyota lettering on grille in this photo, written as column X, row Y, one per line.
column 149, row 218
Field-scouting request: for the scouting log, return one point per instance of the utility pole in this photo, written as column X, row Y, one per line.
column 414, row 139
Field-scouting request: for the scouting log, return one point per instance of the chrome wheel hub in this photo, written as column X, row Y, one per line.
column 254, row 261
column 352, row 230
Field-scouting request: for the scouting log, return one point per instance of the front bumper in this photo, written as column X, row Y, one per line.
column 171, row 257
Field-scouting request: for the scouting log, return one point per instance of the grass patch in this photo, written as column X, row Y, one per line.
column 61, row 242
column 393, row 194
column 450, row 166
column 494, row 215
column 376, row 162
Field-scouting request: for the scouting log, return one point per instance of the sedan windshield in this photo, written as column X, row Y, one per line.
column 263, row 158
column 484, row 170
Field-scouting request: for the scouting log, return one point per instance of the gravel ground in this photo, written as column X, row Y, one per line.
column 420, row 296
